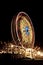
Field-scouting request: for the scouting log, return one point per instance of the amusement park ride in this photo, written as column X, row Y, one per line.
column 23, row 36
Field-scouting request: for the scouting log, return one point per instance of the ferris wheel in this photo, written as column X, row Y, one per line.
column 22, row 30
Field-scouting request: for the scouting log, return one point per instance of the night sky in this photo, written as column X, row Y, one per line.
column 33, row 8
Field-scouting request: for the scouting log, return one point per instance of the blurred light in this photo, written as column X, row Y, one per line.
column 12, row 46
column 32, row 53
column 38, row 52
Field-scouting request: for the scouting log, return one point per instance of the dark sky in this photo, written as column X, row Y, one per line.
column 33, row 8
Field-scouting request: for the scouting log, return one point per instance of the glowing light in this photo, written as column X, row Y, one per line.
column 26, row 52
column 12, row 46
column 38, row 52
column 41, row 54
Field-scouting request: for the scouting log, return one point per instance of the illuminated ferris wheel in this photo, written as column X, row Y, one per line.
column 22, row 30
